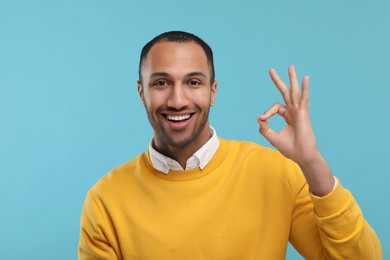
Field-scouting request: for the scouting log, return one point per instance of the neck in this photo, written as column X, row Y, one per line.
column 182, row 153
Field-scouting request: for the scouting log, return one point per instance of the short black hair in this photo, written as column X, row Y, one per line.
column 179, row 37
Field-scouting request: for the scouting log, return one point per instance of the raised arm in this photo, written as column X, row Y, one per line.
column 296, row 141
column 343, row 231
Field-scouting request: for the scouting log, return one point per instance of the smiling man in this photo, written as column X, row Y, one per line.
column 194, row 195
column 177, row 89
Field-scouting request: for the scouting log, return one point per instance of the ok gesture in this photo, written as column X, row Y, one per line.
column 297, row 141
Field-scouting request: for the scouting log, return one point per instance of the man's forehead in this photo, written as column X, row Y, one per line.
column 165, row 55
column 176, row 51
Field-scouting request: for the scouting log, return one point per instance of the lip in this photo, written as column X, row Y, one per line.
column 177, row 126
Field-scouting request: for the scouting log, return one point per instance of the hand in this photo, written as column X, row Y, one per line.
column 296, row 141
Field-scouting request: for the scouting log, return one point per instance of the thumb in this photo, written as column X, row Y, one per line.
column 266, row 131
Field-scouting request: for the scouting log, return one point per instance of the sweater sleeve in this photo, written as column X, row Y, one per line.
column 344, row 232
column 332, row 227
column 94, row 241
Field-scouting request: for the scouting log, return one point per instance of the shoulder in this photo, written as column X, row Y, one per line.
column 251, row 149
column 119, row 178
column 266, row 161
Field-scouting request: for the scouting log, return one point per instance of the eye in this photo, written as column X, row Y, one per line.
column 160, row 83
column 194, row 82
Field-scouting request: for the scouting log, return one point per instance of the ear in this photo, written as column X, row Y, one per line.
column 141, row 92
column 213, row 92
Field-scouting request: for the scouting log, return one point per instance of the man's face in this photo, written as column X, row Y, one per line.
column 177, row 95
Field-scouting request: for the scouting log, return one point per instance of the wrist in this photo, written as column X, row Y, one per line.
column 318, row 175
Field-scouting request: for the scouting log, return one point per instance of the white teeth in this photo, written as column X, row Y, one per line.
column 178, row 118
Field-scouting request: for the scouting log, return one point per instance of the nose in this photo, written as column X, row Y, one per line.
column 178, row 98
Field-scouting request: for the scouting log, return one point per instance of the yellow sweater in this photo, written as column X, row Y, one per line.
column 247, row 203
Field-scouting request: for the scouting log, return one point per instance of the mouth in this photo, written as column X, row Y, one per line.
column 180, row 118
column 178, row 122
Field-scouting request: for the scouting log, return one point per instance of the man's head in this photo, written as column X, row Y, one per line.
column 178, row 37
column 177, row 90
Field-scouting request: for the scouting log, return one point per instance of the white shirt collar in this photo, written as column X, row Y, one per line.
column 199, row 159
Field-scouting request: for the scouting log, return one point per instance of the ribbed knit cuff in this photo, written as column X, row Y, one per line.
column 332, row 203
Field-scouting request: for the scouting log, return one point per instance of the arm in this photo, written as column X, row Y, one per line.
column 343, row 232
column 296, row 141
column 94, row 240
column 332, row 227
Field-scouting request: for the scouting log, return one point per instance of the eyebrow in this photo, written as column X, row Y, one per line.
column 197, row 73
column 159, row 74
column 191, row 74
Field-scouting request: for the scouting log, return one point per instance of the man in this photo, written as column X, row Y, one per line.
column 193, row 195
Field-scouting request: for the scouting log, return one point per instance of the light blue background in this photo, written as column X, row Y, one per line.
column 70, row 112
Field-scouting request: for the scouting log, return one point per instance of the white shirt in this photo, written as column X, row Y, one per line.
column 199, row 159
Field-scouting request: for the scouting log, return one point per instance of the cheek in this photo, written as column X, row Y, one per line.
column 154, row 100
column 202, row 98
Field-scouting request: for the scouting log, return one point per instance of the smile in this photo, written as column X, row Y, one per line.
column 177, row 118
